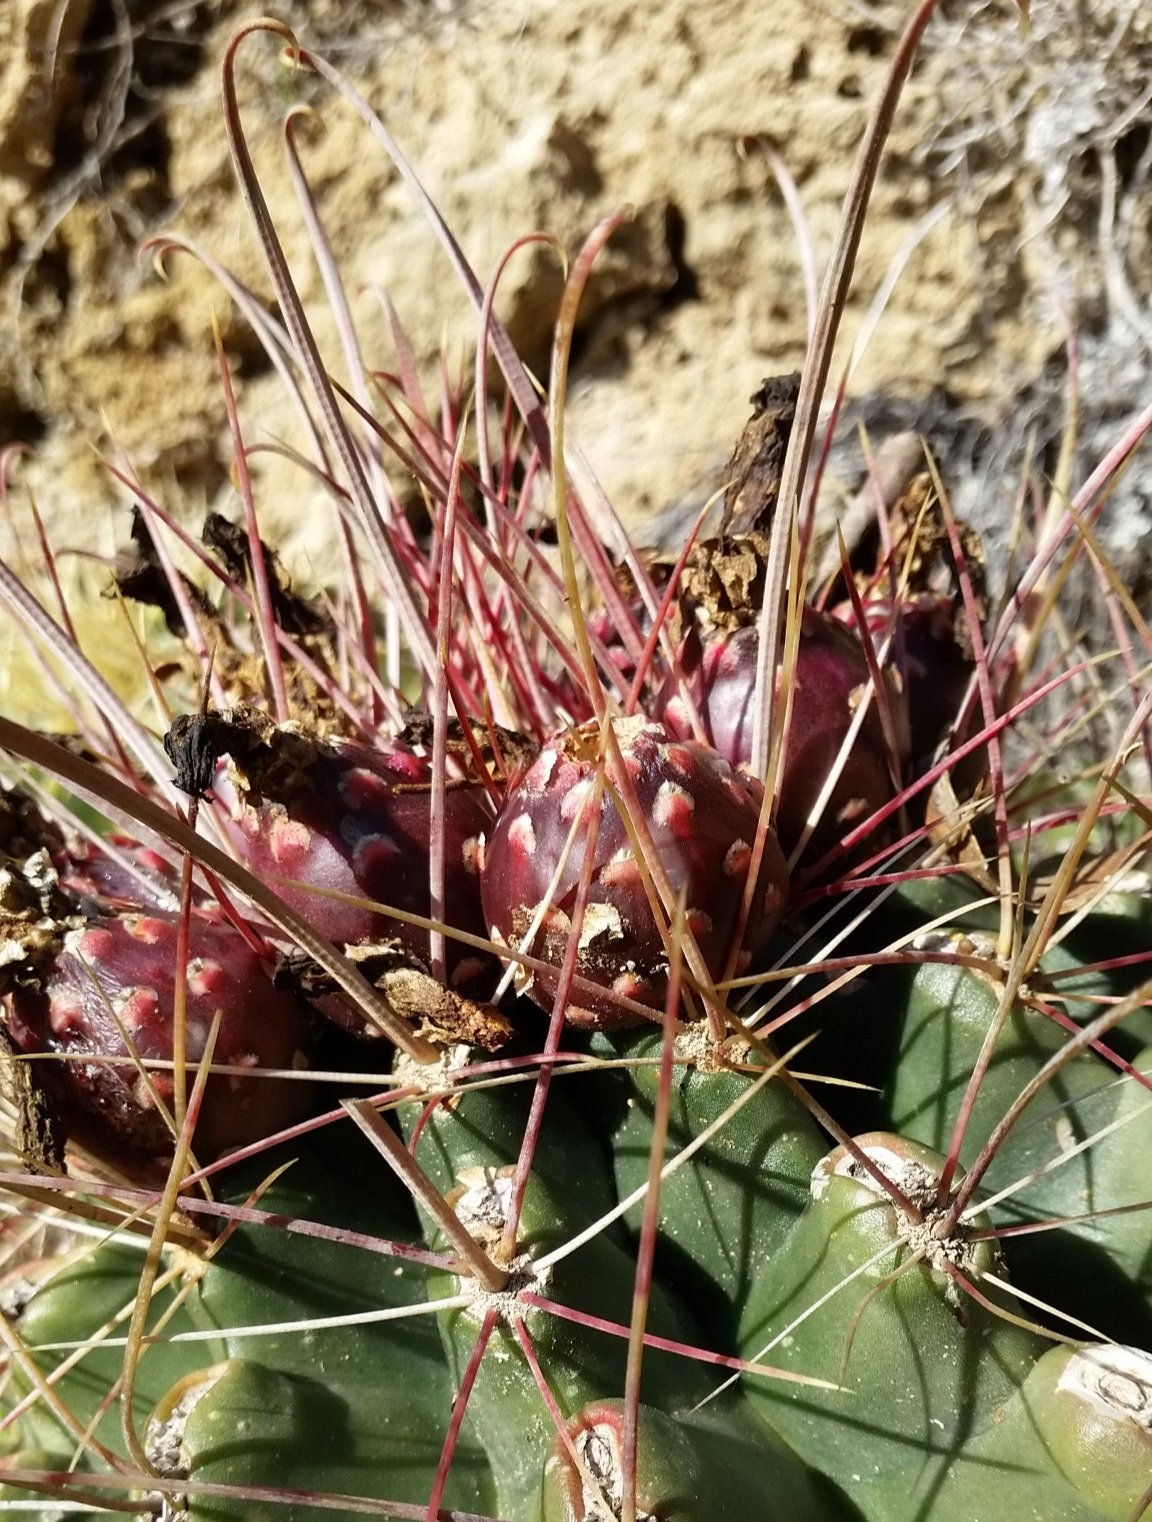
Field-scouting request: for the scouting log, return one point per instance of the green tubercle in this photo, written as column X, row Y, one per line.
column 867, row 1294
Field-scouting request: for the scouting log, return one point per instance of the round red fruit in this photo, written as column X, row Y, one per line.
column 104, row 1005
column 696, row 819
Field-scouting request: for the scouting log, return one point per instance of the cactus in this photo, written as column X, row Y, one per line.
column 853, row 1223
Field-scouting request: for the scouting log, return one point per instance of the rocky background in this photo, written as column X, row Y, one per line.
column 1014, row 213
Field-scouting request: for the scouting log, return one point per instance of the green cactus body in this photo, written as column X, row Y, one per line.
column 921, row 1365
column 41, row 1460
column 482, row 1127
column 1120, row 926
column 472, row 1144
column 75, row 1304
column 355, row 1433
column 260, row 1401
column 1075, row 1442
column 376, row 1391
column 724, row 1212
column 949, row 897
column 1104, row 1267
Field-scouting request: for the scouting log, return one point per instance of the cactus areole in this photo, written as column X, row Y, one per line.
column 699, row 817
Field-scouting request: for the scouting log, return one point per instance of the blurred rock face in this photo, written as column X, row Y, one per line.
column 546, row 118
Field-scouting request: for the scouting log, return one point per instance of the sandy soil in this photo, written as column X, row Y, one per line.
column 1014, row 204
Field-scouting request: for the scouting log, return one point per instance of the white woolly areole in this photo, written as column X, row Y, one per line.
column 628, row 728
column 428, row 1077
column 164, row 1434
column 599, row 1448
column 918, row 1184
column 890, row 1164
column 522, row 833
column 573, row 800
column 482, row 1203
column 671, row 803
column 737, row 858
column 485, row 1197
column 957, row 943
column 1116, row 1381
column 540, row 773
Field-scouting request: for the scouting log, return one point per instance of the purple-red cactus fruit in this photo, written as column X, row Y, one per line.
column 602, row 626
column 126, row 876
column 829, row 681
column 702, row 817
column 357, row 821
column 936, row 671
column 113, row 982
column 618, row 665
